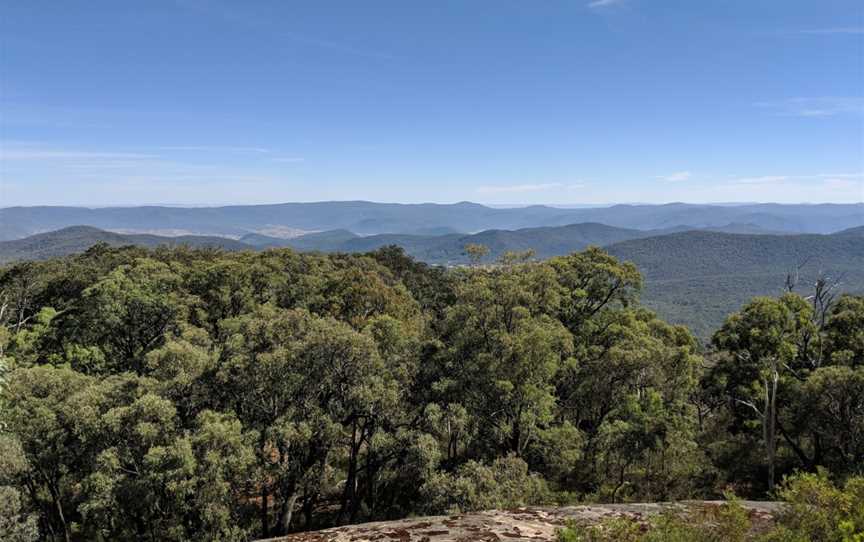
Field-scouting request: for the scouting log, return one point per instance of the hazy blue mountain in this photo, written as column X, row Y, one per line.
column 450, row 249
column 77, row 239
column 859, row 232
column 802, row 218
column 439, row 249
column 367, row 218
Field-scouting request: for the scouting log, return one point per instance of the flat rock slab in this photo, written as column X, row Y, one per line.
column 530, row 523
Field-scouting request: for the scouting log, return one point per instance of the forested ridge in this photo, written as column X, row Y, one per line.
column 181, row 394
column 694, row 277
column 698, row 278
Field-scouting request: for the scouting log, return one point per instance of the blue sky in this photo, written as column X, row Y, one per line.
column 504, row 101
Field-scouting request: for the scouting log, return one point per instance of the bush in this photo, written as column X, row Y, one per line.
column 726, row 523
column 815, row 511
column 505, row 483
column 819, row 511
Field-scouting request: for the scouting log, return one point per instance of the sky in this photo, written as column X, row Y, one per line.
column 208, row 102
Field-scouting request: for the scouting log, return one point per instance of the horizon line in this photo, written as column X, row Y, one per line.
column 567, row 206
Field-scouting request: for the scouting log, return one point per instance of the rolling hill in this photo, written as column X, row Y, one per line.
column 368, row 218
column 692, row 277
column 440, row 249
column 326, row 241
column 697, row 278
column 450, row 249
column 77, row 239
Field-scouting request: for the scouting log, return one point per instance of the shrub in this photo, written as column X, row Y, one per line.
column 819, row 511
column 815, row 511
column 504, row 483
column 726, row 523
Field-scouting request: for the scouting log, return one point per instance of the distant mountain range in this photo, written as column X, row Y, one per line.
column 692, row 276
column 367, row 218
column 450, row 249
column 442, row 249
column 77, row 239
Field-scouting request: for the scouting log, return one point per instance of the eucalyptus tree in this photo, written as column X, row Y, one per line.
column 764, row 342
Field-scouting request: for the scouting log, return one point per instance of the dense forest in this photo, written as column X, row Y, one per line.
column 180, row 394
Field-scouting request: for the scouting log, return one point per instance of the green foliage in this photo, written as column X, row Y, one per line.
column 845, row 331
column 698, row 278
column 813, row 510
column 817, row 510
column 17, row 524
column 505, row 483
column 728, row 522
column 181, row 394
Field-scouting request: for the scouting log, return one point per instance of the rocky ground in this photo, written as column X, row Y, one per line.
column 532, row 523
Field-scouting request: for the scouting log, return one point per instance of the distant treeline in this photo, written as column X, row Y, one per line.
column 180, row 394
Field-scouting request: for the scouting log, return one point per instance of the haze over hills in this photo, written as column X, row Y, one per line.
column 450, row 249
column 368, row 218
column 442, row 249
column 692, row 277
column 545, row 242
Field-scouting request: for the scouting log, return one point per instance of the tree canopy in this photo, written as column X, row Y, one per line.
column 179, row 394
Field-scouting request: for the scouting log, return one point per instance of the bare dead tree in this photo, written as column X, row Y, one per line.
column 17, row 299
column 4, row 311
column 824, row 295
column 4, row 305
column 793, row 276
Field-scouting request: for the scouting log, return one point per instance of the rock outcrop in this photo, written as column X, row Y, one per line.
column 531, row 523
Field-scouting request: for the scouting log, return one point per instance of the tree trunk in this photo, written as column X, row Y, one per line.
column 62, row 520
column 308, row 505
column 55, row 496
column 265, row 520
column 286, row 513
column 351, row 479
column 771, row 426
column 516, row 438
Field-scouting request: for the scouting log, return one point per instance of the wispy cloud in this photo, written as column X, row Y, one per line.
column 604, row 3
column 859, row 175
column 839, row 30
column 261, row 23
column 677, row 177
column 843, row 184
column 107, row 164
column 206, row 148
column 816, row 107
column 834, row 179
column 56, row 154
column 521, row 188
column 765, row 179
